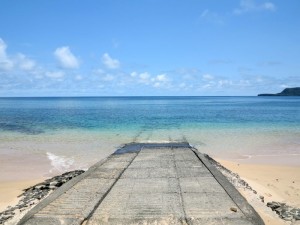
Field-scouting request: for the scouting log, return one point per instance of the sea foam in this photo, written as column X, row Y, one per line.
column 59, row 163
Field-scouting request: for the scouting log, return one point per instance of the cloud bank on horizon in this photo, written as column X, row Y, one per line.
column 106, row 48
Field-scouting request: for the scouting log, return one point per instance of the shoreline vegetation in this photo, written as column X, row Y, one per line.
column 269, row 200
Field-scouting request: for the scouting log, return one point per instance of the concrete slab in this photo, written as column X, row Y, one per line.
column 148, row 185
column 142, row 173
column 209, row 205
column 200, row 184
column 138, row 207
column 73, row 204
column 168, row 183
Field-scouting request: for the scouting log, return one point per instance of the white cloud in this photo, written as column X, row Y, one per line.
column 224, row 83
column 252, row 6
column 157, row 85
column 205, row 13
column 227, row 83
column 78, row 77
column 110, row 62
column 206, row 86
column 284, row 86
column 55, row 74
column 104, row 75
column 108, row 77
column 207, row 77
column 270, row 63
column 162, row 78
column 66, row 58
column 99, row 71
column 5, row 62
column 182, row 85
column 145, row 78
column 17, row 63
column 269, row 6
column 25, row 63
column 259, row 79
column 2, row 49
column 212, row 17
column 133, row 74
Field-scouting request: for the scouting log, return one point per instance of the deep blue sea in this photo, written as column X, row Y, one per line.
column 76, row 132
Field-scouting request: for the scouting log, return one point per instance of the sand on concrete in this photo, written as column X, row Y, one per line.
column 274, row 182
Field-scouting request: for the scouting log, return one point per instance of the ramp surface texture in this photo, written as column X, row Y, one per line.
column 147, row 184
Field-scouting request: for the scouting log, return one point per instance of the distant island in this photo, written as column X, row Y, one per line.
column 286, row 92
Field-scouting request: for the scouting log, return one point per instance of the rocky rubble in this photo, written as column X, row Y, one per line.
column 284, row 211
column 233, row 178
column 34, row 194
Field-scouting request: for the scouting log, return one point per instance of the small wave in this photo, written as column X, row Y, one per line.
column 245, row 157
column 59, row 163
column 158, row 141
column 283, row 154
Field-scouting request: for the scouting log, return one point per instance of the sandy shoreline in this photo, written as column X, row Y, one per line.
column 274, row 183
column 11, row 189
column 277, row 183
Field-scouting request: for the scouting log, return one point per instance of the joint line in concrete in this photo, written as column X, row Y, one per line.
column 180, row 193
column 104, row 196
column 232, row 192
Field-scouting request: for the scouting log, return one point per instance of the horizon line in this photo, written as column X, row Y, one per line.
column 125, row 96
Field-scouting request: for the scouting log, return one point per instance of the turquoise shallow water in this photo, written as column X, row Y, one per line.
column 41, row 115
column 67, row 133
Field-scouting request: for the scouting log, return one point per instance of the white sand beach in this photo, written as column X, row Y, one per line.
column 11, row 189
column 273, row 182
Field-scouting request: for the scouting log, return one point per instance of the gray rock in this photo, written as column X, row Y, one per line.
column 262, row 198
column 296, row 217
column 284, row 211
column 233, row 209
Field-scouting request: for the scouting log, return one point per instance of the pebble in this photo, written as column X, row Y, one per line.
column 262, row 198
column 233, row 209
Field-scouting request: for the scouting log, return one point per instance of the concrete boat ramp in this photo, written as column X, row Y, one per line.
column 158, row 183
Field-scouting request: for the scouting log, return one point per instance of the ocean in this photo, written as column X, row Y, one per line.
column 67, row 133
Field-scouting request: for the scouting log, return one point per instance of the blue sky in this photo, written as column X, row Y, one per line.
column 148, row 47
